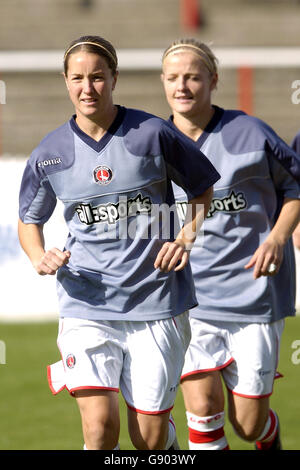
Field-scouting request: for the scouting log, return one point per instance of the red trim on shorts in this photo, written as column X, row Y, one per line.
column 92, row 387
column 249, row 396
column 277, row 376
column 71, row 391
column 148, row 412
column 200, row 371
column 50, row 382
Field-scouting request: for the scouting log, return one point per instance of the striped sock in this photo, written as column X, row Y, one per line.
column 171, row 434
column 207, row 433
column 268, row 435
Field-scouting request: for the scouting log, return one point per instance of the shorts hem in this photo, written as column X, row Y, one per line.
column 91, row 387
column 250, row 396
column 278, row 375
column 149, row 412
column 200, row 371
column 73, row 390
column 54, row 392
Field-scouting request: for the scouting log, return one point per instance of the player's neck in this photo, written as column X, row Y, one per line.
column 193, row 126
column 95, row 126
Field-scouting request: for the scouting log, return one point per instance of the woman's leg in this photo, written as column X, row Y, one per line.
column 151, row 431
column 204, row 403
column 254, row 420
column 99, row 411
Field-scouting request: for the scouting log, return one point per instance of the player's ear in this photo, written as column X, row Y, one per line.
column 214, row 81
column 115, row 80
column 66, row 80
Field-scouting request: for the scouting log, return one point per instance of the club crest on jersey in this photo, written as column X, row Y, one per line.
column 70, row 361
column 102, row 174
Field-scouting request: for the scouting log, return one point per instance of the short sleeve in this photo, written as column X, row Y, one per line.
column 37, row 200
column 186, row 165
column 277, row 149
column 296, row 143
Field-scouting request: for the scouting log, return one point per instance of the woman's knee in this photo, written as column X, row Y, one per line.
column 100, row 434
column 247, row 430
column 100, row 420
column 203, row 396
column 208, row 406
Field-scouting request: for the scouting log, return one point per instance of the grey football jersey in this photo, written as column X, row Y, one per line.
column 109, row 189
column 257, row 171
column 295, row 144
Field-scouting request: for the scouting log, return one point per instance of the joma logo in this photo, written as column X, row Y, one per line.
column 51, row 161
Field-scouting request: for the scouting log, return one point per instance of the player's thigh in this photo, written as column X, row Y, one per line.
column 100, row 418
column 148, row 431
column 203, row 393
column 99, row 407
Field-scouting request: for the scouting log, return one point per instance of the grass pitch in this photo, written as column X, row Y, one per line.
column 31, row 418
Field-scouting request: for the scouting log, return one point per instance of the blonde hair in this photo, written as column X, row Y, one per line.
column 204, row 52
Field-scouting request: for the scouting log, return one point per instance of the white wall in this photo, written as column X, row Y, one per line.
column 24, row 295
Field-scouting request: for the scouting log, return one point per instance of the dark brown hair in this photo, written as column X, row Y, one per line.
column 95, row 45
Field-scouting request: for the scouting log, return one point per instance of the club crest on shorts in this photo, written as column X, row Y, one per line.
column 102, row 174
column 70, row 361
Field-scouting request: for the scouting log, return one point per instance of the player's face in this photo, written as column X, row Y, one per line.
column 188, row 84
column 90, row 83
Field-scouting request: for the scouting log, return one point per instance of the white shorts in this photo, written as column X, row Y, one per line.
column 245, row 353
column 143, row 359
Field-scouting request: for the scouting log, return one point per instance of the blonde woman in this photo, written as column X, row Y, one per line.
column 244, row 269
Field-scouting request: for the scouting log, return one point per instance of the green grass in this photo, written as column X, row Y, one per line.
column 31, row 418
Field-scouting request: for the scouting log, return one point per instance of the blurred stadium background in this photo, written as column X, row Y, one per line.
column 258, row 46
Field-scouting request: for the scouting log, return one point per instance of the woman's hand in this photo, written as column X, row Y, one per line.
column 32, row 241
column 270, row 253
column 175, row 255
column 51, row 261
column 170, row 254
column 266, row 259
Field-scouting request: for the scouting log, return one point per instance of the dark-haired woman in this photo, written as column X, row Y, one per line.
column 123, row 279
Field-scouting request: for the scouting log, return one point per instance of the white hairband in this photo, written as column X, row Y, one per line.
column 177, row 47
column 93, row 44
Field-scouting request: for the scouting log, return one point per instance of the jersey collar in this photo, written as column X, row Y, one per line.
column 94, row 144
column 210, row 126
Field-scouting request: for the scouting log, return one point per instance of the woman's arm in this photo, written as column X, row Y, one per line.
column 271, row 251
column 178, row 251
column 296, row 236
column 32, row 241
